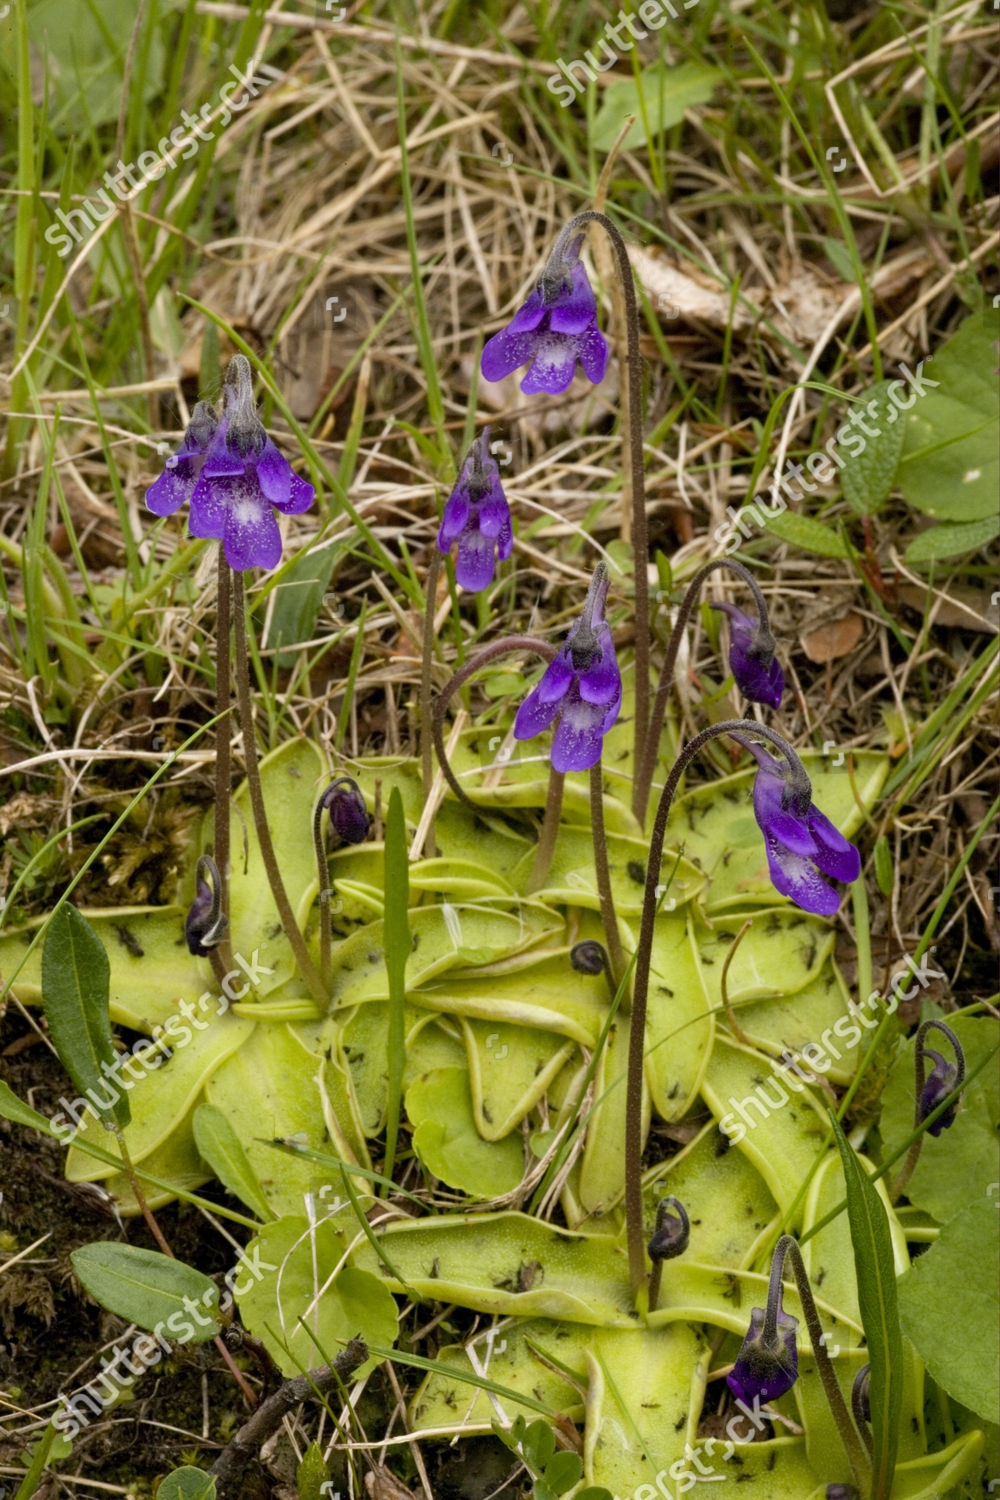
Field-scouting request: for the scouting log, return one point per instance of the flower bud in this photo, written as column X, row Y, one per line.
column 861, row 1403
column 672, row 1233
column 348, row 814
column 205, row 924
column 765, row 1368
column 588, row 957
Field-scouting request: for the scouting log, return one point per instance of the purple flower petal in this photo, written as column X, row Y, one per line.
column 578, row 738
column 207, row 515
column 794, row 876
column 300, row 497
column 454, row 519
column 576, row 308
column 168, row 493
column 252, row 538
column 275, row 475
column 553, row 366
column 760, row 1374
column 505, row 540
column 529, row 314
column 601, row 682
column 493, row 512
column 536, row 712
column 774, row 819
column 836, row 855
column 221, row 461
column 592, row 352
column 475, row 561
column 506, row 352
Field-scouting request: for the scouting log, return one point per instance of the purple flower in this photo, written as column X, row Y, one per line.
column 802, row 844
column 944, row 1078
column 552, row 330
column 582, row 685
column 234, row 477
column 205, row 924
column 765, row 1368
column 752, row 660
column 349, row 817
column 476, row 516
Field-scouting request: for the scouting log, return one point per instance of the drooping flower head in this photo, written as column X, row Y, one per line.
column 582, row 685
column 476, row 516
column 205, row 924
column 752, row 660
column 802, row 844
column 673, row 1230
column 555, row 328
column 234, row 477
column 349, row 817
column 765, row 1368
column 944, row 1078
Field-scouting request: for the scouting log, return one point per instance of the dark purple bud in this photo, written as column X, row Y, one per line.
column 476, row 516
column 672, row 1232
column 861, row 1402
column 944, row 1077
column 841, row 1492
column 554, row 329
column 582, row 686
column 205, row 924
column 349, row 817
column 752, row 660
column 802, row 844
column 765, row 1368
column 589, row 957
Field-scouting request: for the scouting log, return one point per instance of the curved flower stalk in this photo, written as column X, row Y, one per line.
column 793, row 821
column 767, row 1365
column 752, row 661
column 350, row 823
column 554, row 330
column 233, row 476
column 671, row 1237
column 476, row 517
column 582, row 686
column 931, row 1092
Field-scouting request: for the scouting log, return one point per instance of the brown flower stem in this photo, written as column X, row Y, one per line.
column 549, row 831
column 640, row 985
column 426, row 666
column 856, row 1455
column 913, row 1155
column 223, row 752
column 488, row 653
column 632, row 443
column 645, row 762
column 616, row 955
column 288, row 922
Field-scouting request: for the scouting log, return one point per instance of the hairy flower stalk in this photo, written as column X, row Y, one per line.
column 670, row 1239
column 556, row 327
column 945, row 1080
column 794, row 822
column 223, row 748
column 350, row 823
column 298, row 944
column 767, row 1364
column 751, row 660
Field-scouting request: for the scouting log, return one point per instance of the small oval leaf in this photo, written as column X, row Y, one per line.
column 153, row 1291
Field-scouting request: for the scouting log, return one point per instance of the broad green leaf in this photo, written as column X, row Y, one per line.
column 644, row 1394
column 149, row 1289
column 666, row 93
column 949, row 1308
column 266, row 1090
column 679, row 1028
column 866, row 478
column 962, row 1164
column 307, row 1307
column 952, row 540
column 75, row 990
column 481, row 1261
column 704, row 1175
column 186, row 1484
column 949, row 466
column 769, row 1113
column 808, row 534
column 535, row 994
column 220, row 1145
column 507, row 1356
column 875, row 1267
column 510, row 1068
column 812, row 1026
column 360, row 1042
column 938, row 1474
column 398, row 947
column 572, row 879
column 601, row 1181
column 447, row 1142
column 175, row 1163
column 163, row 1097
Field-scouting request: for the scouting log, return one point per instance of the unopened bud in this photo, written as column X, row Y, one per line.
column 205, row 924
